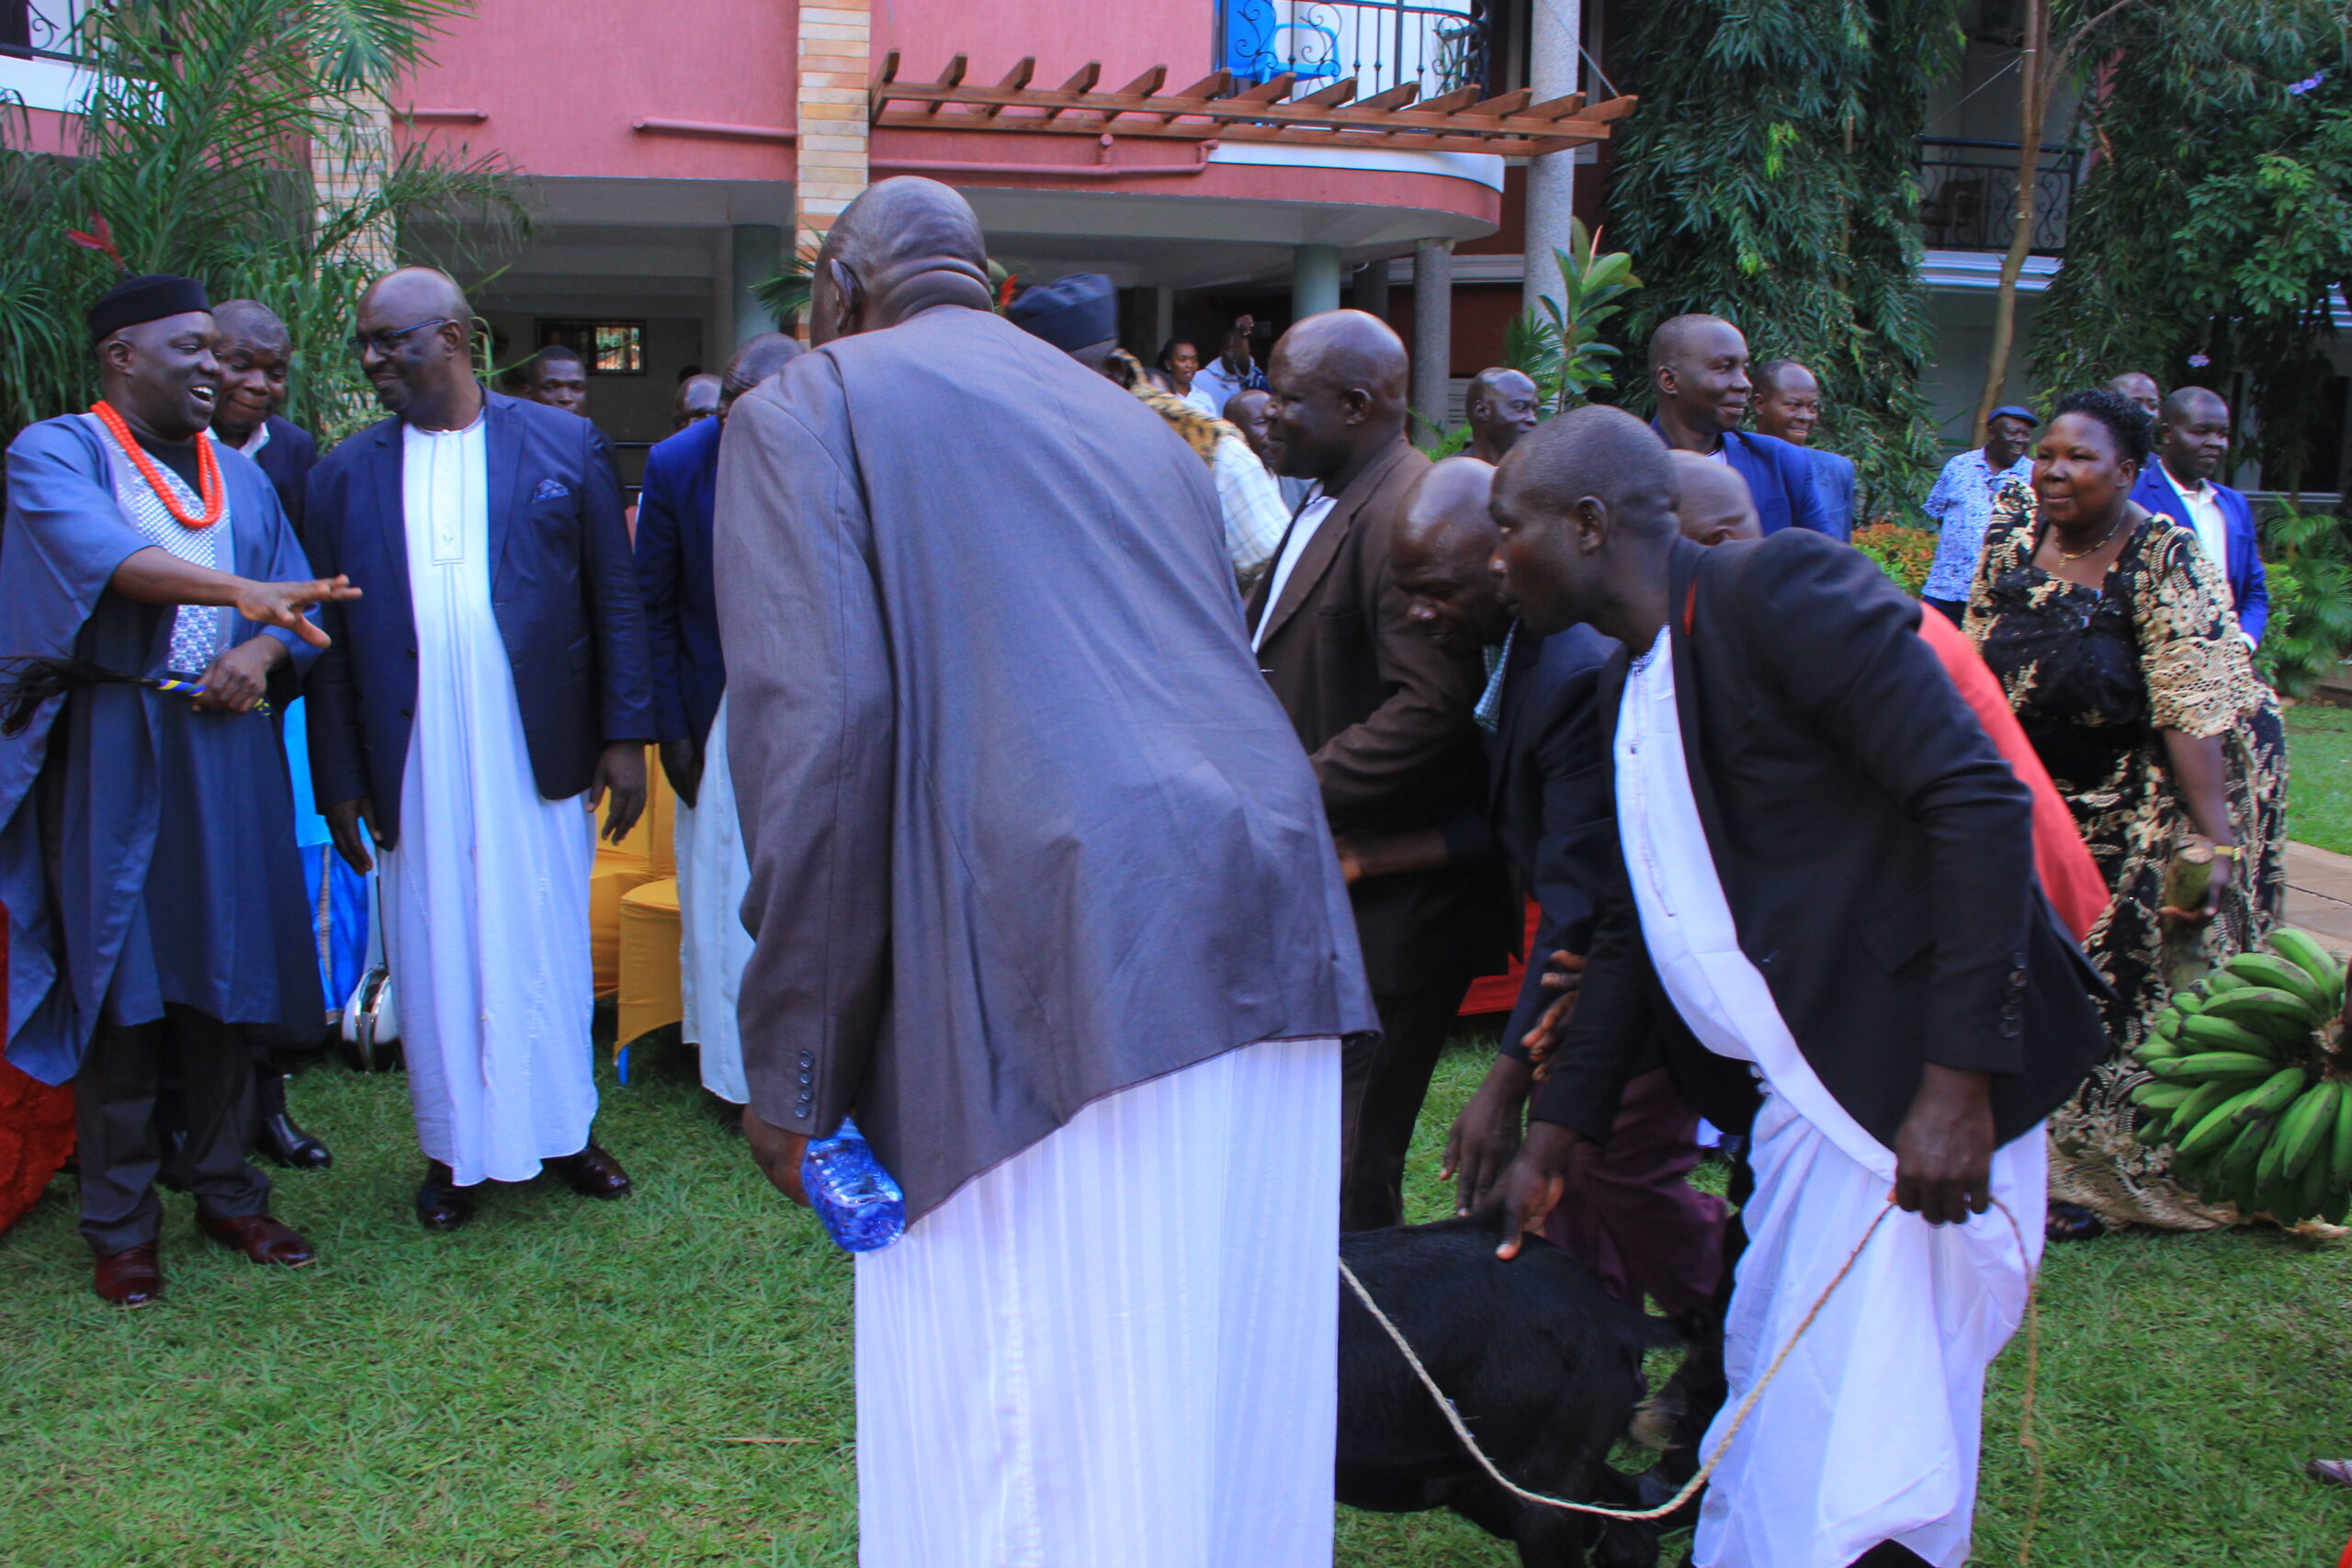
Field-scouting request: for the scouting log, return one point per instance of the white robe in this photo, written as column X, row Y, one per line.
column 1870, row 1431
column 1120, row 1347
column 713, row 946
column 486, row 894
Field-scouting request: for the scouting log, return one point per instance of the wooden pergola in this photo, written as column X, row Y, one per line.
column 1213, row 108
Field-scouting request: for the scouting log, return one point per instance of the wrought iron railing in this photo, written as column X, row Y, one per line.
column 1383, row 44
column 37, row 29
column 1969, row 195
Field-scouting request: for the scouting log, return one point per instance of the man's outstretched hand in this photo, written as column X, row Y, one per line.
column 284, row 604
column 779, row 1154
column 1944, row 1151
column 1531, row 1188
column 1485, row 1137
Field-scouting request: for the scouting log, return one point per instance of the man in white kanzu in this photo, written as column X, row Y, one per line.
column 1041, row 892
column 477, row 710
column 1825, row 915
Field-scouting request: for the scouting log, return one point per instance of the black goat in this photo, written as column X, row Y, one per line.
column 1544, row 1366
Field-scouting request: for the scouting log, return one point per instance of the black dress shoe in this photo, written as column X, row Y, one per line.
column 592, row 1173
column 441, row 1203
column 277, row 1136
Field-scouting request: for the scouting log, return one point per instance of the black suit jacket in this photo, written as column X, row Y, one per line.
column 287, row 458
column 1548, row 798
column 1876, row 851
column 1385, row 716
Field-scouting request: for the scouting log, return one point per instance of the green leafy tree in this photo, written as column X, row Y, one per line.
column 2217, row 214
column 1767, row 177
column 193, row 153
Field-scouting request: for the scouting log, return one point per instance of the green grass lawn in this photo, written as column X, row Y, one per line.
column 2319, row 776
column 558, row 1383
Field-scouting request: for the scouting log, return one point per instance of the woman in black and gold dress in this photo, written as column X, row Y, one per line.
column 2112, row 633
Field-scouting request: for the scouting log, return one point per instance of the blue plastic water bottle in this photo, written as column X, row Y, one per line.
column 861, row 1208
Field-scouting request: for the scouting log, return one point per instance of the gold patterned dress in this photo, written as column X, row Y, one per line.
column 2095, row 674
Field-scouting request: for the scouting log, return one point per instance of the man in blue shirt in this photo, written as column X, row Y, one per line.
column 2192, row 438
column 1961, row 506
column 1788, row 405
column 1699, row 366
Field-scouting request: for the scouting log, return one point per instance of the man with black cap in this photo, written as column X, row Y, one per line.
column 1960, row 505
column 155, row 907
column 1079, row 315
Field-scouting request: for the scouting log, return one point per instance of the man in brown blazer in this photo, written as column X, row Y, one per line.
column 1385, row 717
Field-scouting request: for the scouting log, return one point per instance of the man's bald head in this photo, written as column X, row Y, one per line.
column 1338, row 382
column 695, row 400
column 903, row 246
column 415, row 333
column 1501, row 406
column 1713, row 500
column 1440, row 554
column 1586, row 508
column 249, row 320
column 2139, row 387
column 758, row 359
column 1699, row 367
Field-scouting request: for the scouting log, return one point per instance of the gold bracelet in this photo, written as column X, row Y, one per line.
column 2231, row 850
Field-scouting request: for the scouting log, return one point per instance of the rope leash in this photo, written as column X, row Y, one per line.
column 1739, row 1417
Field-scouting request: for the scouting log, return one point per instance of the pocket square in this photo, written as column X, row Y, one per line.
column 549, row 490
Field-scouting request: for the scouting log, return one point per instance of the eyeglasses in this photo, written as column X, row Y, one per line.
column 385, row 343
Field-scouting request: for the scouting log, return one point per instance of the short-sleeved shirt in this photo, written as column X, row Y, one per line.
column 1961, row 506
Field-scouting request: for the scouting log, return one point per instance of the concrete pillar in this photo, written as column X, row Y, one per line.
column 755, row 253
column 831, row 120
column 1314, row 280
column 1432, row 337
column 1554, row 70
column 1163, row 322
column 1370, row 290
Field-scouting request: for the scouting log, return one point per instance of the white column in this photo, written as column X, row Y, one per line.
column 1314, row 280
column 1552, row 72
column 1432, row 335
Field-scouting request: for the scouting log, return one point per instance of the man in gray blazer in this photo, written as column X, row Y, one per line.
column 1040, row 891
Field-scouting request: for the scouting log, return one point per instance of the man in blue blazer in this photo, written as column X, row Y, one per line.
column 2192, row 438
column 689, row 676
column 1699, row 366
column 476, row 708
column 1788, row 406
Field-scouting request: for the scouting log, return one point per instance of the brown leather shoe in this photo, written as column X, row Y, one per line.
column 441, row 1203
column 258, row 1237
column 130, row 1278
column 592, row 1173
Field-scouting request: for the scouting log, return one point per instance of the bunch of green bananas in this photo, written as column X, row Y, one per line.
column 2251, row 1085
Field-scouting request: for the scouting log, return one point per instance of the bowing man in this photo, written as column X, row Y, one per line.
column 154, row 902
column 1040, row 891
column 470, row 717
column 689, row 675
column 1825, row 908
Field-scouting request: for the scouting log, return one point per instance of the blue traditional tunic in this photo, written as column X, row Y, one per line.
column 145, row 853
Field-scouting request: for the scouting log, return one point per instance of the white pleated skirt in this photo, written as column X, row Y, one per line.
column 1119, row 1349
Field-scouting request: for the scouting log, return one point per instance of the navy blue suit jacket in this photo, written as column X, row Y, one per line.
column 1549, row 796
column 1780, row 477
column 1833, row 480
column 673, row 573
column 561, row 585
column 287, row 459
column 2156, row 492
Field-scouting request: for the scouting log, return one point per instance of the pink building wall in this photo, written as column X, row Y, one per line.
column 1128, row 39
column 564, row 85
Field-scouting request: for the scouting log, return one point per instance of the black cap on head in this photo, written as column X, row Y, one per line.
column 148, row 298
column 1070, row 312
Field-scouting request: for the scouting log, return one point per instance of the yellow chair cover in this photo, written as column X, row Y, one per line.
column 649, row 960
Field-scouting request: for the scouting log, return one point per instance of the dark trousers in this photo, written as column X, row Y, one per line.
column 1381, row 1097
column 1953, row 610
column 121, row 1149
column 1630, row 1213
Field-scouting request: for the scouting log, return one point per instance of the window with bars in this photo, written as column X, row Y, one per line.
column 605, row 348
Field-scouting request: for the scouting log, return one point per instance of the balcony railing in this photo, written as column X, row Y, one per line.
column 37, row 29
column 1436, row 47
column 1969, row 194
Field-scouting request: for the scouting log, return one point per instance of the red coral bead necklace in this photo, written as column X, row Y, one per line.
column 209, row 490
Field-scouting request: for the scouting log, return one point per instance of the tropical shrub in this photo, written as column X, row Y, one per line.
column 1903, row 554
column 2309, row 572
